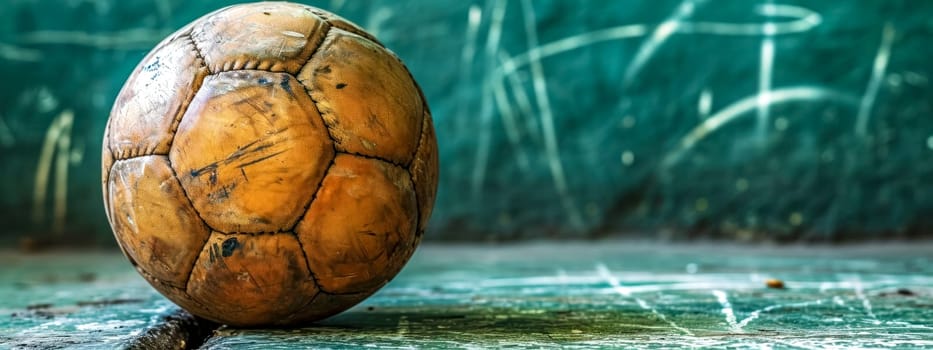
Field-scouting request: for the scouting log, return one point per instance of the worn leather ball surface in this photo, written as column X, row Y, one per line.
column 269, row 164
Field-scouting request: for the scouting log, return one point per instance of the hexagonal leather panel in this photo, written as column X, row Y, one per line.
column 251, row 151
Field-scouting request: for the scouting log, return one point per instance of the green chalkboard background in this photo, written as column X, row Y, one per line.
column 773, row 120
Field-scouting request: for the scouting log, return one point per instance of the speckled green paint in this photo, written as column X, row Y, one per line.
column 579, row 295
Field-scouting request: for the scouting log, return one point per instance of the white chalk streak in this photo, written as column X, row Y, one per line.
column 604, row 272
column 481, row 163
column 6, row 135
column 376, row 20
column 62, row 160
column 705, row 103
column 737, row 109
column 547, row 120
column 573, row 42
column 466, row 64
column 765, row 71
column 15, row 53
column 55, row 135
column 874, row 83
column 660, row 35
column 510, row 124
column 474, row 16
column 805, row 19
column 495, row 30
column 523, row 101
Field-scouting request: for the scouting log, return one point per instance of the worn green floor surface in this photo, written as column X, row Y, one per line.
column 576, row 295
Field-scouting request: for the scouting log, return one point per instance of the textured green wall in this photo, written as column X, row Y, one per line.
column 783, row 120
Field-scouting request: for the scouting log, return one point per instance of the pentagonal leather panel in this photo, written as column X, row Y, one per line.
column 272, row 36
column 359, row 230
column 252, row 279
column 147, row 110
column 153, row 220
column 368, row 100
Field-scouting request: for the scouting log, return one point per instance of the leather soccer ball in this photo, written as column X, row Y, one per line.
column 269, row 164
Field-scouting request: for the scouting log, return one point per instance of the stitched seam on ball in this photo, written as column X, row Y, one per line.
column 296, row 312
column 198, row 53
column 182, row 290
column 260, row 233
column 424, row 112
column 326, row 31
column 411, row 157
column 182, row 111
column 418, row 229
column 347, row 294
column 130, row 152
column 109, row 171
column 304, row 254
column 414, row 187
column 317, row 189
column 324, row 109
column 410, row 168
column 424, row 125
column 349, row 29
column 304, row 214
column 366, row 156
column 113, row 154
column 110, row 220
column 196, row 87
column 184, row 192
column 325, row 43
column 134, row 155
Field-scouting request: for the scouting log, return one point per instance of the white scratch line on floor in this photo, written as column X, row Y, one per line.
column 562, row 277
column 755, row 314
column 604, row 272
column 723, row 299
column 838, row 301
column 403, row 327
column 800, row 344
column 860, row 294
column 662, row 282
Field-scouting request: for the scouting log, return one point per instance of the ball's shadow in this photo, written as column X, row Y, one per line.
column 477, row 323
